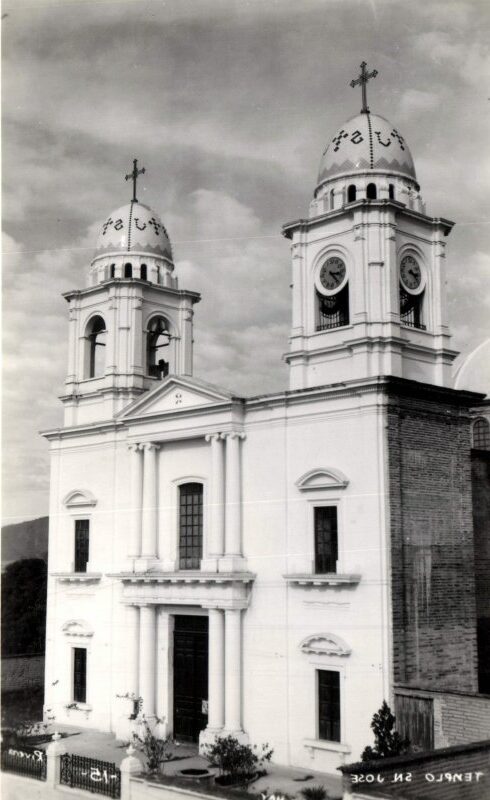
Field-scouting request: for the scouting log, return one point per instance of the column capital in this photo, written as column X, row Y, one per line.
column 134, row 447
column 213, row 437
column 234, row 435
column 148, row 446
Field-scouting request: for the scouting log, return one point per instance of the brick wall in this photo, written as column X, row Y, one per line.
column 422, row 773
column 22, row 672
column 433, row 587
column 480, row 479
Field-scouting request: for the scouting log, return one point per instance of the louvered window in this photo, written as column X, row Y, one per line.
column 79, row 675
column 329, row 705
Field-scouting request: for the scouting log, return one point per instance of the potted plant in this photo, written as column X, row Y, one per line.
column 237, row 763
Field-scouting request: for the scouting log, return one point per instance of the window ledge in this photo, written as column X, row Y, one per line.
column 77, row 577
column 78, row 707
column 328, row 579
column 324, row 744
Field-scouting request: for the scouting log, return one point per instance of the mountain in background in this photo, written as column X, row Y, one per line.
column 25, row 540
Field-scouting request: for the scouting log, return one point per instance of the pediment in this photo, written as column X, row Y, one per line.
column 78, row 628
column 322, row 478
column 79, row 498
column 325, row 644
column 177, row 394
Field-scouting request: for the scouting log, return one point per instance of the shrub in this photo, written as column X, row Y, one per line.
column 155, row 750
column 387, row 742
column 314, row 793
column 237, row 763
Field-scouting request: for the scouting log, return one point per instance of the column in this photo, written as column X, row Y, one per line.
column 132, row 639
column 136, row 494
column 150, row 499
column 147, row 660
column 162, row 668
column 216, row 533
column 233, row 559
column 233, row 670
column 216, row 689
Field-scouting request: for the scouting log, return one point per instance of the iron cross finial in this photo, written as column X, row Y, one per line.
column 361, row 81
column 134, row 176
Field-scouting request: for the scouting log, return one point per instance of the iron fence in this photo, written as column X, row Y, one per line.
column 23, row 760
column 99, row 777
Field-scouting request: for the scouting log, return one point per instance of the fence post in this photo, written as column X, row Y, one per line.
column 129, row 766
column 53, row 762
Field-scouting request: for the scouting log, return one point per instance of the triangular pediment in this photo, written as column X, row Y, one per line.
column 177, row 394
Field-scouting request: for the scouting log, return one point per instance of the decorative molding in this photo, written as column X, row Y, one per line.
column 327, row 579
column 79, row 498
column 322, row 478
column 325, row 644
column 78, row 628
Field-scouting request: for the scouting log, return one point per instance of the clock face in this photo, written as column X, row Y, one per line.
column 332, row 274
column 410, row 273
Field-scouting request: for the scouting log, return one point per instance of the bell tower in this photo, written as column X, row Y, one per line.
column 132, row 325
column 368, row 265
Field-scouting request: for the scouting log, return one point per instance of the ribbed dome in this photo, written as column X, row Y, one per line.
column 133, row 228
column 366, row 142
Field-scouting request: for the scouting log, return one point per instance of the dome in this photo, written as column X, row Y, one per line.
column 472, row 370
column 366, row 142
column 133, row 228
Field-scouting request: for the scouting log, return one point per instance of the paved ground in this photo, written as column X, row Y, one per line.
column 88, row 742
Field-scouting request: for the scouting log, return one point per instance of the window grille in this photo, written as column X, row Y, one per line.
column 79, row 674
column 326, row 546
column 334, row 310
column 329, row 705
column 481, row 435
column 82, row 536
column 411, row 310
column 191, row 526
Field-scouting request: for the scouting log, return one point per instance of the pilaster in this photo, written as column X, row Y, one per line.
column 233, row 559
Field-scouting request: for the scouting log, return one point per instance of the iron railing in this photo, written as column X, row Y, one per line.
column 23, row 760
column 99, row 777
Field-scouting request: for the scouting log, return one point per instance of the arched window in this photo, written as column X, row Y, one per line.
column 391, row 191
column 190, row 525
column 158, row 274
column 113, row 270
column 96, row 337
column 128, row 270
column 158, row 338
column 144, row 272
column 332, row 199
column 371, row 193
column 351, row 193
column 481, row 434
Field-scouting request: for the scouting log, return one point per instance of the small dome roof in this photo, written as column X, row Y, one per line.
column 134, row 228
column 472, row 370
column 366, row 142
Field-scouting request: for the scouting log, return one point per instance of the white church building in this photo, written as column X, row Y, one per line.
column 258, row 566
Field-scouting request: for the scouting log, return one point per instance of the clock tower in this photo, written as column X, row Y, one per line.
column 368, row 265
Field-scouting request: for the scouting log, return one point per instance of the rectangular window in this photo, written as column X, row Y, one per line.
column 82, row 529
column 329, row 705
column 79, row 675
column 326, row 548
column 190, row 526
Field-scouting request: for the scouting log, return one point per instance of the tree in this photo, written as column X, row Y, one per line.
column 24, row 585
column 387, row 742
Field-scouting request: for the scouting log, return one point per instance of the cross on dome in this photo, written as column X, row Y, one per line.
column 361, row 81
column 134, row 177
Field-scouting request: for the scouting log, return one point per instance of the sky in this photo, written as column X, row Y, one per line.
column 229, row 106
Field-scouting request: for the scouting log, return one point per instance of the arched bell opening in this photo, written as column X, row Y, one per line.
column 160, row 348
column 95, row 344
